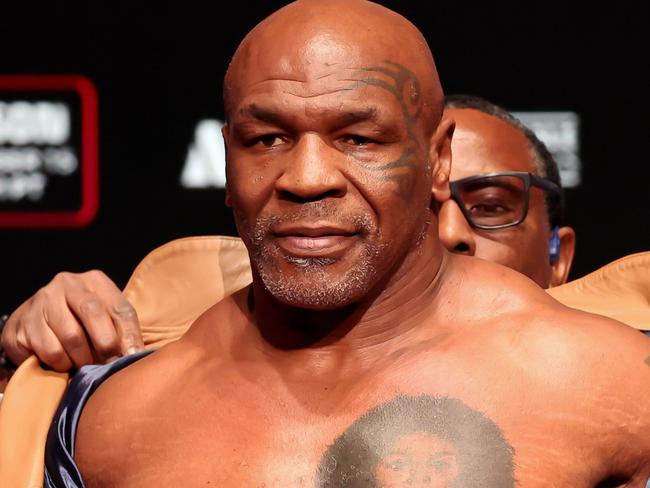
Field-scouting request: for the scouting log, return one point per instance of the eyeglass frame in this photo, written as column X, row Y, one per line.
column 529, row 180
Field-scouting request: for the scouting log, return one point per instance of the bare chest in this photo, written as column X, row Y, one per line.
column 441, row 428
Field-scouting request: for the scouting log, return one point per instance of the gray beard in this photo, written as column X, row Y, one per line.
column 315, row 287
column 318, row 288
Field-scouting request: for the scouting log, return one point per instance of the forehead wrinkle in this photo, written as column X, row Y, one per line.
column 316, row 95
column 347, row 77
column 296, row 79
column 348, row 116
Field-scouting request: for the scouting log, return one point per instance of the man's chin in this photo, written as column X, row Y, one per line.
column 315, row 284
column 314, row 303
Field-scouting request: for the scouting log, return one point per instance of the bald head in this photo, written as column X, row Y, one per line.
column 308, row 40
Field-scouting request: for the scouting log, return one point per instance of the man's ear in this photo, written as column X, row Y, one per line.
column 561, row 268
column 224, row 134
column 440, row 158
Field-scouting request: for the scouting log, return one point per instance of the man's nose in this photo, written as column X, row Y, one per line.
column 311, row 172
column 455, row 232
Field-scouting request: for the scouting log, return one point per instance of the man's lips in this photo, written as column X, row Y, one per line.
column 307, row 241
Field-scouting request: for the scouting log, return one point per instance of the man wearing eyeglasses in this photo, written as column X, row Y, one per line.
column 505, row 207
column 506, row 201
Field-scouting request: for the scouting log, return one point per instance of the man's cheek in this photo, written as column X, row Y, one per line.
column 398, row 174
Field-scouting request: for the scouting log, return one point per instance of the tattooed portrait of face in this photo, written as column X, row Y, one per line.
column 419, row 441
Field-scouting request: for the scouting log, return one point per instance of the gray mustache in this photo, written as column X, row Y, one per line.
column 362, row 223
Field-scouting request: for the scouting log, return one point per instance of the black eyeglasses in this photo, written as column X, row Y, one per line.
column 497, row 200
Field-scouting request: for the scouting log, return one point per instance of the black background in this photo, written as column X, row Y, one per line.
column 158, row 70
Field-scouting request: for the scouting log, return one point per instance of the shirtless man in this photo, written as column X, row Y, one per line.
column 363, row 354
column 78, row 318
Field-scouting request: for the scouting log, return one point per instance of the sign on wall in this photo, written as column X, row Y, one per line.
column 48, row 151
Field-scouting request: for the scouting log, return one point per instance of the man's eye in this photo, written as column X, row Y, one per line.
column 268, row 140
column 489, row 207
column 356, row 140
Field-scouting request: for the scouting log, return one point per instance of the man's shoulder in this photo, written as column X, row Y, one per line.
column 144, row 379
column 566, row 345
column 122, row 404
column 146, row 383
column 490, row 290
column 118, row 393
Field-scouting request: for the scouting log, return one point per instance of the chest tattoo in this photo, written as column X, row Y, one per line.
column 422, row 441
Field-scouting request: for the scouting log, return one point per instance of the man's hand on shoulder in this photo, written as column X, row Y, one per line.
column 76, row 319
